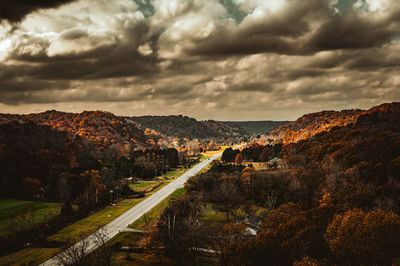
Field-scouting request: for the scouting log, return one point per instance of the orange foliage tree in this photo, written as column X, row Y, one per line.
column 239, row 158
column 365, row 238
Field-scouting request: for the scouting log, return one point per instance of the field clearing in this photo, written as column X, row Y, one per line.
column 146, row 186
column 213, row 217
column 174, row 173
column 258, row 165
column 139, row 186
column 43, row 211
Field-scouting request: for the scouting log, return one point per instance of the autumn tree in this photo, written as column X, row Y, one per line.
column 227, row 197
column 239, row 158
column 287, row 235
column 365, row 238
column 211, row 145
column 195, row 147
column 231, row 234
column 176, row 228
column 96, row 191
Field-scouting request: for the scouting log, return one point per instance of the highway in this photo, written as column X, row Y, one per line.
column 119, row 224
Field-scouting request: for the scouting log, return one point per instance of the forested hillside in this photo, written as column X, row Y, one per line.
column 186, row 127
column 257, row 127
column 104, row 129
column 314, row 123
column 32, row 155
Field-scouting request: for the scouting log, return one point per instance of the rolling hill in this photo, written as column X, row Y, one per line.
column 186, row 127
column 257, row 127
column 311, row 124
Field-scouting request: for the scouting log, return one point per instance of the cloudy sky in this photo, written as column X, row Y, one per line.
column 209, row 59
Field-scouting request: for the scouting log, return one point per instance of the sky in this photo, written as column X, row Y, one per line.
column 208, row 59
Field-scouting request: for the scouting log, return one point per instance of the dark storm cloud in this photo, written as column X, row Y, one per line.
column 15, row 10
column 375, row 59
column 103, row 62
column 283, row 32
column 235, row 58
column 354, row 31
column 273, row 32
column 300, row 27
column 113, row 63
column 387, row 56
column 238, row 45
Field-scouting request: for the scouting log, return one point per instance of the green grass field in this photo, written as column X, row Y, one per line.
column 145, row 186
column 174, row 173
column 141, row 185
column 213, row 217
column 15, row 208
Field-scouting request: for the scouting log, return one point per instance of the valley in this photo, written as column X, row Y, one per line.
column 119, row 204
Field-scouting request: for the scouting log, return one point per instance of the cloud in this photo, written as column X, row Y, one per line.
column 87, row 39
column 262, row 30
column 355, row 30
column 231, row 59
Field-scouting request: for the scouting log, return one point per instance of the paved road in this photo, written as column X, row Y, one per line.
column 123, row 221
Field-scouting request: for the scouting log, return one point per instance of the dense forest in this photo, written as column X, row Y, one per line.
column 330, row 199
column 186, row 127
column 257, row 127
